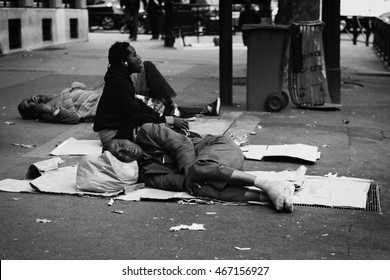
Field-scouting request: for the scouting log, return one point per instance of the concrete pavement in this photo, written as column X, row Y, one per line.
column 354, row 141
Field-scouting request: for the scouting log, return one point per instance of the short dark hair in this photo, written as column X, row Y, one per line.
column 26, row 112
column 105, row 146
column 118, row 52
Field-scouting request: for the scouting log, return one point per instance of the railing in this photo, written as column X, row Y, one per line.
column 381, row 43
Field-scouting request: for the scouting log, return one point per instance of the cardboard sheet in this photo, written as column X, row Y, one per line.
column 73, row 146
column 207, row 125
column 333, row 192
column 299, row 151
column 315, row 190
column 37, row 169
column 149, row 193
column 12, row 185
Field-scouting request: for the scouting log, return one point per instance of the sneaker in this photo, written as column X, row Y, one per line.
column 214, row 108
column 176, row 112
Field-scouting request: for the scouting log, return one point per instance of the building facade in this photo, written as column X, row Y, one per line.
column 32, row 24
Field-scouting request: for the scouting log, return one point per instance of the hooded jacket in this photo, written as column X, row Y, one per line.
column 118, row 108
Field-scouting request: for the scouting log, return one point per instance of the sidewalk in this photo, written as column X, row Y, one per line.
column 353, row 142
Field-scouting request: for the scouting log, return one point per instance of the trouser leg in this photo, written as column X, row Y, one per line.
column 217, row 158
column 153, row 14
column 157, row 84
column 134, row 24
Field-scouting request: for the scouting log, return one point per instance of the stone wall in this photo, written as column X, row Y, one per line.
column 31, row 26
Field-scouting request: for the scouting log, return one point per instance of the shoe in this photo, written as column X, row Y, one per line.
column 176, row 112
column 214, row 108
column 154, row 37
column 133, row 39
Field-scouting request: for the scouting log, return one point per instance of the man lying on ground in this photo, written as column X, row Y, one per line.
column 77, row 104
column 205, row 167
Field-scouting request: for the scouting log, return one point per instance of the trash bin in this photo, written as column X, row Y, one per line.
column 265, row 63
column 307, row 83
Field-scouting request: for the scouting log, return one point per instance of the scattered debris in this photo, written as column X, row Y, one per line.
column 9, row 123
column 16, row 198
column 325, row 145
column 44, row 221
column 211, row 213
column 25, row 145
column 4, row 107
column 259, row 127
column 325, row 234
column 330, row 175
column 111, row 202
column 194, row 226
column 242, row 249
column 118, row 211
column 241, row 141
column 253, row 132
column 193, row 201
column 346, row 121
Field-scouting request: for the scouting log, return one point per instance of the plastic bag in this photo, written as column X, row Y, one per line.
column 105, row 173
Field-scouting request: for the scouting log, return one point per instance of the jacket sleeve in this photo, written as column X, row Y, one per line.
column 64, row 116
column 136, row 111
column 161, row 137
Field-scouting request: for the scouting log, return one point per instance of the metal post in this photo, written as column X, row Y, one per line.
column 225, row 53
column 331, row 35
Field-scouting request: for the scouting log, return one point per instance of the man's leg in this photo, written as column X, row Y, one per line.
column 134, row 25
column 218, row 168
column 279, row 192
column 158, row 86
column 153, row 15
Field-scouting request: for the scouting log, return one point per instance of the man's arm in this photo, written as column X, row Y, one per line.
column 59, row 115
column 160, row 136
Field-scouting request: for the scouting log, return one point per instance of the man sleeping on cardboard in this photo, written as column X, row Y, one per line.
column 209, row 167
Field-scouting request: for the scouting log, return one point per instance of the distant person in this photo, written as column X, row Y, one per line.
column 119, row 113
column 154, row 8
column 248, row 16
column 205, row 167
column 131, row 10
column 78, row 104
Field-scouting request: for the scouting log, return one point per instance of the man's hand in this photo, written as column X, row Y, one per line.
column 180, row 123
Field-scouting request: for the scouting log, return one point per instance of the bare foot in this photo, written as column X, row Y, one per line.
column 280, row 192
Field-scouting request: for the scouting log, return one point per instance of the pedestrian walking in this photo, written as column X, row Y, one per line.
column 154, row 9
column 131, row 9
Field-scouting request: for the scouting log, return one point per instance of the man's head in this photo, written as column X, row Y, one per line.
column 123, row 150
column 123, row 53
column 26, row 108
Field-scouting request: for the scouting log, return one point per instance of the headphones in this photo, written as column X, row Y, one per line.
column 124, row 63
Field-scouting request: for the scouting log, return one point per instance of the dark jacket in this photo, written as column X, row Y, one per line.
column 166, row 153
column 118, row 109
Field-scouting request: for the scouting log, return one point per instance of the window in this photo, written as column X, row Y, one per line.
column 14, row 33
column 74, row 28
column 46, row 29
